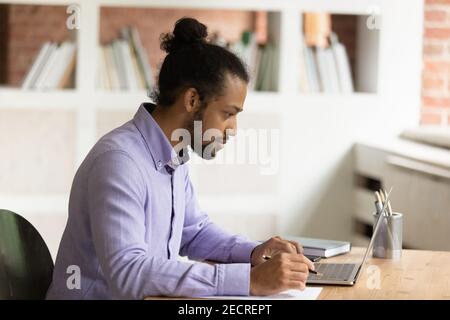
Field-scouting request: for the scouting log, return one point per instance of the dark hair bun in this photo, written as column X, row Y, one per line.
column 187, row 32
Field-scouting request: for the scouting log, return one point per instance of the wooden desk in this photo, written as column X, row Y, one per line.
column 418, row 275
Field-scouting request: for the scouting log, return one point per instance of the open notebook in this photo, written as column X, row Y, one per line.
column 310, row 293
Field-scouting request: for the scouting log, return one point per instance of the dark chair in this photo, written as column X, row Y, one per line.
column 26, row 265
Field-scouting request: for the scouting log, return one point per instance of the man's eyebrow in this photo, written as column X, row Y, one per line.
column 236, row 108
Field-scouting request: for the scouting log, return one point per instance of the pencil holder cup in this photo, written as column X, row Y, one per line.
column 387, row 243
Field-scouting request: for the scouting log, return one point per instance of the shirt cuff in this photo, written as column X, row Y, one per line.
column 234, row 279
column 241, row 252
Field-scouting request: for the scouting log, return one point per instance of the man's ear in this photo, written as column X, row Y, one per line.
column 191, row 100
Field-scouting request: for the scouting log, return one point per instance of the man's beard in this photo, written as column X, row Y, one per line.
column 208, row 149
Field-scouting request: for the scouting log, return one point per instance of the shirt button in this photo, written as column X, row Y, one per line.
column 159, row 164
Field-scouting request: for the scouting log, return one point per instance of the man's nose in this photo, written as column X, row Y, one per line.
column 232, row 128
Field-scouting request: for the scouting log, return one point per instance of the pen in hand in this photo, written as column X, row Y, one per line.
column 265, row 257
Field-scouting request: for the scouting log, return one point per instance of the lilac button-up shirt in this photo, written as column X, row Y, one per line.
column 131, row 216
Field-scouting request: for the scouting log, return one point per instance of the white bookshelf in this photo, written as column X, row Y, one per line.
column 300, row 190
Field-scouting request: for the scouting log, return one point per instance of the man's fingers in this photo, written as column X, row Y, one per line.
column 299, row 276
column 297, row 246
column 284, row 246
column 299, row 258
column 309, row 263
column 299, row 267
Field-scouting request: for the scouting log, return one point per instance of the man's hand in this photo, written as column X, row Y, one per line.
column 273, row 246
column 282, row 272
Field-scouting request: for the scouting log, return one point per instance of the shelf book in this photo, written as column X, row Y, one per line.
column 53, row 67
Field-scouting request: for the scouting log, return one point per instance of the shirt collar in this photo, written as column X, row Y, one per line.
column 162, row 152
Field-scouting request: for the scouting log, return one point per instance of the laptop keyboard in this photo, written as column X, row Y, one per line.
column 333, row 271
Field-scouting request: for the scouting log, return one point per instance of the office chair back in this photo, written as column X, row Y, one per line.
column 26, row 265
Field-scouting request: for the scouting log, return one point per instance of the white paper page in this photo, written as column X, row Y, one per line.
column 310, row 293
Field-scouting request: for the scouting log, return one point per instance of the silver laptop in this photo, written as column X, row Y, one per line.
column 343, row 273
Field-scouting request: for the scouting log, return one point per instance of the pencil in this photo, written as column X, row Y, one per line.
column 389, row 205
column 382, row 196
column 383, row 199
column 377, row 197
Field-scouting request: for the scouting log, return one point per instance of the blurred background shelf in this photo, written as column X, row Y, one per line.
column 313, row 181
column 35, row 54
column 60, row 99
column 256, row 102
column 263, row 102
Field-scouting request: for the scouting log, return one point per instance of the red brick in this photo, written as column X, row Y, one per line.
column 433, row 49
column 437, row 33
column 435, row 15
column 430, row 118
column 427, row 2
column 435, row 102
column 29, row 27
column 432, row 83
column 436, row 67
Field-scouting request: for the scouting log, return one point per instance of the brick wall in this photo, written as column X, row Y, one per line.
column 4, row 12
column 436, row 64
column 28, row 28
column 152, row 22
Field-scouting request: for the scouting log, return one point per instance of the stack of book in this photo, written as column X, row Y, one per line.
column 53, row 67
column 325, row 69
column 261, row 59
column 124, row 64
column 324, row 248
